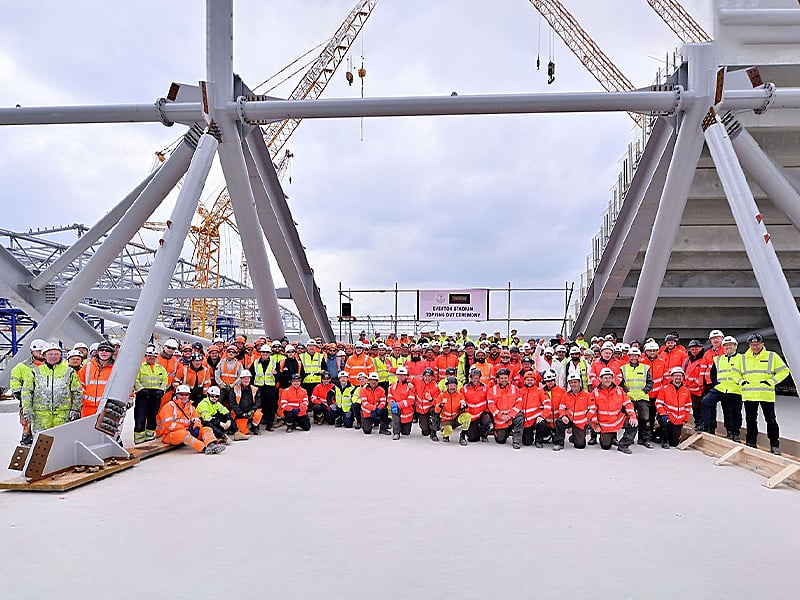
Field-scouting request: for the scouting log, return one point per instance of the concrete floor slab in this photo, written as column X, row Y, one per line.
column 337, row 514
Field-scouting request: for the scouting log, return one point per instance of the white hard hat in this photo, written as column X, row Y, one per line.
column 341, row 353
column 72, row 353
column 38, row 344
column 344, row 374
column 289, row 348
column 171, row 343
column 525, row 346
column 729, row 339
column 573, row 377
column 548, row 350
column 402, row 371
column 151, row 351
column 575, row 349
column 607, row 346
column 549, row 375
column 51, row 346
column 634, row 352
column 606, row 371
column 561, row 348
column 358, row 345
column 651, row 346
column 275, row 343
column 311, row 342
column 265, row 348
column 213, row 390
column 373, row 375
column 619, row 348
column 715, row 333
column 674, row 370
column 183, row 389
column 93, row 347
column 245, row 373
column 80, row 345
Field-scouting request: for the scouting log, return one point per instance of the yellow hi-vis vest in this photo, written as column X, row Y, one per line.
column 151, row 378
column 381, row 369
column 760, row 375
column 729, row 373
column 265, row 376
column 344, row 397
column 635, row 379
column 312, row 367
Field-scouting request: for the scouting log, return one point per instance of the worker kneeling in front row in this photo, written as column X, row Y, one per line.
column 294, row 403
column 178, row 423
column 612, row 411
column 245, row 402
column 373, row 406
column 451, row 406
column 213, row 414
column 674, row 405
column 505, row 404
column 573, row 411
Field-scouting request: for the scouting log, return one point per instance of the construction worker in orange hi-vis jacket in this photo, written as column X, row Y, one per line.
column 505, row 404
column 481, row 420
column 612, row 411
column 426, row 394
column 178, row 423
column 674, row 405
column 573, row 411
column 451, row 405
column 401, row 398
column 536, row 408
column 93, row 376
column 294, row 402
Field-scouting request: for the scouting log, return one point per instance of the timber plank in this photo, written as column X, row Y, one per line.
column 68, row 479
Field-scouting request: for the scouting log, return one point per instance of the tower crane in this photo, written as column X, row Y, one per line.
column 207, row 244
column 680, row 21
column 585, row 49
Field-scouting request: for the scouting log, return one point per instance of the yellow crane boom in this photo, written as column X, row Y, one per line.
column 680, row 21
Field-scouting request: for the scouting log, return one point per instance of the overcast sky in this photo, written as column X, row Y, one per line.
column 428, row 203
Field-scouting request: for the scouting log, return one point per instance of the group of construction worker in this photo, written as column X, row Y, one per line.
column 599, row 390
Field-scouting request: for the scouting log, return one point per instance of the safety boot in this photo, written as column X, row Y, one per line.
column 775, row 450
column 434, row 437
column 149, row 435
column 214, row 448
column 239, row 436
column 139, row 437
column 26, row 440
column 396, row 436
column 462, row 439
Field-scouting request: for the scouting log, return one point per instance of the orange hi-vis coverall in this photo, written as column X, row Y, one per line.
column 180, row 424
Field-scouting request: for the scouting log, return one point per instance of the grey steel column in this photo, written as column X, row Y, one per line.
column 138, row 334
column 770, row 177
column 219, row 63
column 83, row 243
column 689, row 145
column 778, row 297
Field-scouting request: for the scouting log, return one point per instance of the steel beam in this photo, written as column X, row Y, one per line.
column 123, row 320
column 631, row 228
column 279, row 228
column 83, row 243
column 126, row 366
column 781, row 303
column 688, row 146
column 186, row 293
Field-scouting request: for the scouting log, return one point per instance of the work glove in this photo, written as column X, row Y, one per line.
column 295, row 411
column 74, row 415
column 395, row 408
column 663, row 419
column 248, row 414
column 195, row 431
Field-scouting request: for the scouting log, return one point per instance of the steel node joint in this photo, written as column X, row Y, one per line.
column 732, row 125
column 192, row 137
column 160, row 103
column 241, row 105
column 768, row 101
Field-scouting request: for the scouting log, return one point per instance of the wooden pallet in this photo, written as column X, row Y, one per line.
column 67, row 479
column 777, row 469
column 154, row 448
